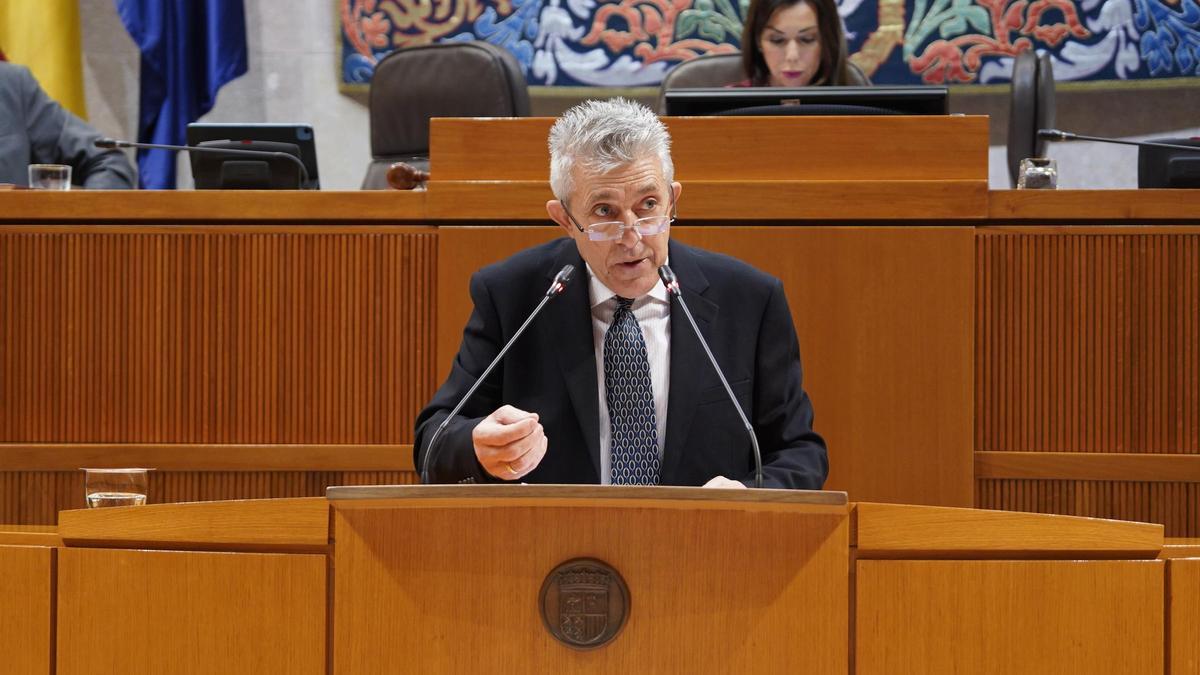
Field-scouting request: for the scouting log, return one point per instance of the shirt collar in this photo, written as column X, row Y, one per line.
column 601, row 293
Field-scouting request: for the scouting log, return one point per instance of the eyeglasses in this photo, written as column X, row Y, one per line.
column 613, row 230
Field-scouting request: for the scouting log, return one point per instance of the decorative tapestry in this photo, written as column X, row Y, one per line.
column 633, row 43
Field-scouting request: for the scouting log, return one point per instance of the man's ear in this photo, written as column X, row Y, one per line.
column 676, row 188
column 558, row 213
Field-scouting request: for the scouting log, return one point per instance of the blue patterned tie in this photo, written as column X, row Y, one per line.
column 630, row 400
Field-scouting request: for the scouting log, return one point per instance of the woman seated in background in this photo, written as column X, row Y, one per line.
column 796, row 43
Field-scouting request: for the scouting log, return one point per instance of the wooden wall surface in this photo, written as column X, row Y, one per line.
column 1052, row 361
column 179, row 343
column 216, row 337
column 1088, row 372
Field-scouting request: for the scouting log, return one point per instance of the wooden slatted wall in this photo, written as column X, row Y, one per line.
column 211, row 337
column 1089, row 342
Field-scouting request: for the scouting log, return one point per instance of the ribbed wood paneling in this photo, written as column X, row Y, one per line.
column 36, row 497
column 215, row 337
column 1175, row 505
column 1088, row 343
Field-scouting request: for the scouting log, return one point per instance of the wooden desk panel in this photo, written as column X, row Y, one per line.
column 1008, row 617
column 26, row 580
column 725, row 200
column 210, row 209
column 907, row 531
column 1183, row 616
column 253, row 524
column 716, row 148
column 455, row 590
column 29, row 535
column 1091, row 206
column 190, row 613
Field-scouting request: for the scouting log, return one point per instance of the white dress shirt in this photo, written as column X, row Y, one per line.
column 653, row 312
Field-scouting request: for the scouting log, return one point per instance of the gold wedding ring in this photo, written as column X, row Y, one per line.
column 510, row 469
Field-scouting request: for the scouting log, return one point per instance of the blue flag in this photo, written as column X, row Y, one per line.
column 190, row 49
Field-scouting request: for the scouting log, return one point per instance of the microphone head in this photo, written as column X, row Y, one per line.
column 560, row 281
column 106, row 143
column 1053, row 135
column 669, row 279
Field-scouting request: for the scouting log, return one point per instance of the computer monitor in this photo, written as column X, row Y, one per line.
column 899, row 100
column 1160, row 167
column 229, row 171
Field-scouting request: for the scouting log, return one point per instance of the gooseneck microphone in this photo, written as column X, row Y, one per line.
column 1057, row 135
column 556, row 288
column 110, row 143
column 672, row 283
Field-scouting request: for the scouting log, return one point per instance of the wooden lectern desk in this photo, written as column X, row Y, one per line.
column 448, row 580
column 471, row 579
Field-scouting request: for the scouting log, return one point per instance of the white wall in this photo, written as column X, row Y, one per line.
column 293, row 77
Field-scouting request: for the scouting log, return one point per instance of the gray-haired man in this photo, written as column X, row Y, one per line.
column 610, row 385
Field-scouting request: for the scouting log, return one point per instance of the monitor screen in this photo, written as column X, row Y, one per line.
column 899, row 100
column 210, row 171
column 1160, row 167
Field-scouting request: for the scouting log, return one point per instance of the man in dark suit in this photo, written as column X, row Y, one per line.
column 35, row 129
column 610, row 385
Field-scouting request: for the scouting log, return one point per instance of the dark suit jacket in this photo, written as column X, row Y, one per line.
column 741, row 311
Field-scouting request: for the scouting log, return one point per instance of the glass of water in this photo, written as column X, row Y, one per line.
column 114, row 487
column 50, row 176
column 1037, row 173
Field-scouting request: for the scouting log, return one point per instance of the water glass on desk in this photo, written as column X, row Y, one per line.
column 114, row 487
column 1037, row 173
column 49, row 177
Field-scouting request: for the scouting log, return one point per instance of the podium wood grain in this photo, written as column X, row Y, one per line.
column 190, row 613
column 1183, row 612
column 1090, row 206
column 258, row 524
column 723, row 148
column 25, row 609
column 906, row 531
column 725, row 200
column 29, row 535
column 1009, row 617
column 455, row 590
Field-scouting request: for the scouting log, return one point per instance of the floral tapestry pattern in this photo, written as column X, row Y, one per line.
column 633, row 43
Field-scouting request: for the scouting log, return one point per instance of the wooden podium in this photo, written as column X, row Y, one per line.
column 756, row 579
column 451, row 579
